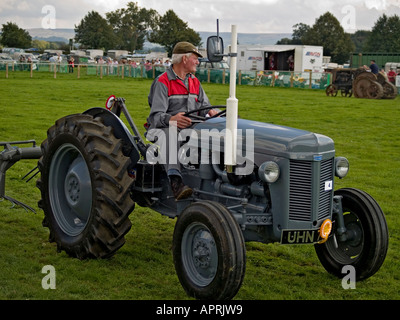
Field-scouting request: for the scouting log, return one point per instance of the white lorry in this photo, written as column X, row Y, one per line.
column 115, row 54
column 93, row 53
column 297, row 58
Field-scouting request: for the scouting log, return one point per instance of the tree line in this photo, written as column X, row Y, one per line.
column 13, row 36
column 327, row 32
column 128, row 29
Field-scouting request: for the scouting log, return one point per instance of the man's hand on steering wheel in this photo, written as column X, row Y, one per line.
column 181, row 120
column 212, row 113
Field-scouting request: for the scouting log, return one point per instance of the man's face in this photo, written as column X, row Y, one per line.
column 191, row 63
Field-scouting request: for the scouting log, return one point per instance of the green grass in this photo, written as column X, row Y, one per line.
column 365, row 131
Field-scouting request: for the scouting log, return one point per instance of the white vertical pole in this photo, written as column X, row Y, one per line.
column 231, row 108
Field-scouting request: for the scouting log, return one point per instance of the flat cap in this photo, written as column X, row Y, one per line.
column 186, row 47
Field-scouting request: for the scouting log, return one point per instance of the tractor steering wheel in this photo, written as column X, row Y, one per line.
column 202, row 118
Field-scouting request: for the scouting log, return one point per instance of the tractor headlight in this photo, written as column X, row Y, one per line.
column 269, row 172
column 341, row 167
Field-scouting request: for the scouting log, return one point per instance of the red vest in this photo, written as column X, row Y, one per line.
column 176, row 86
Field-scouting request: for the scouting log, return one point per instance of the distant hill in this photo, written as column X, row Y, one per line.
column 247, row 38
column 64, row 35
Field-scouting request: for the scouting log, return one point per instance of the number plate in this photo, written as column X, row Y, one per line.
column 300, row 236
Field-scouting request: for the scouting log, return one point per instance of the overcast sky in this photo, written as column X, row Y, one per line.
column 250, row 16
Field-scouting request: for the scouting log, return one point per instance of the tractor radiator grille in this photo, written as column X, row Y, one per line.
column 300, row 195
column 325, row 197
column 307, row 179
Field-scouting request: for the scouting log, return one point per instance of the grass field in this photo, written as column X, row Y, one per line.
column 365, row 131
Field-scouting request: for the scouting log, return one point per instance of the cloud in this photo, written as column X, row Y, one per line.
column 251, row 16
column 29, row 14
column 4, row 6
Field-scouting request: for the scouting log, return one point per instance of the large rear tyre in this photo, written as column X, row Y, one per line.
column 85, row 187
column 389, row 90
column 367, row 237
column 209, row 252
column 375, row 90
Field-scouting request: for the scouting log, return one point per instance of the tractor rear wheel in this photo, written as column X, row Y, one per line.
column 389, row 90
column 85, row 187
column 375, row 90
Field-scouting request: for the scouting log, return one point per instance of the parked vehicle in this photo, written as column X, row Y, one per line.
column 297, row 58
column 218, row 72
column 6, row 59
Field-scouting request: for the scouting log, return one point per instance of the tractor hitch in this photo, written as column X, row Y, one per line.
column 8, row 157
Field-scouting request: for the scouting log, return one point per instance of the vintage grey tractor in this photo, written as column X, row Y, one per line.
column 94, row 168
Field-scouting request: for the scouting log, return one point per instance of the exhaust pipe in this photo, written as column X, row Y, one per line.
column 231, row 109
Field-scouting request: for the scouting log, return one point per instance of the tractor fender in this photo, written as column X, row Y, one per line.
column 120, row 131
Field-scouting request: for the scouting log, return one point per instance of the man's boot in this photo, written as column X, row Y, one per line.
column 180, row 190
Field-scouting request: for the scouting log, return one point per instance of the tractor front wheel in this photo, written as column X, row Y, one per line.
column 209, row 252
column 331, row 91
column 84, row 186
column 366, row 242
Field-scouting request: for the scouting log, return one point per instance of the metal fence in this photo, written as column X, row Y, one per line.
column 290, row 79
